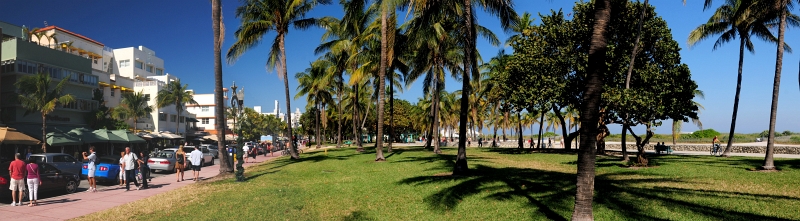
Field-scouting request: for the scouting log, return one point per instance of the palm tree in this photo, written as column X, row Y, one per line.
column 677, row 124
column 219, row 102
column 36, row 95
column 734, row 18
column 315, row 85
column 133, row 106
column 175, row 94
column 590, row 113
column 259, row 17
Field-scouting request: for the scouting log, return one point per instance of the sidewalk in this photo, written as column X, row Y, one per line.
column 78, row 204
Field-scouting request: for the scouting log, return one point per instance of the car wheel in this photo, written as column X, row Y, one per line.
column 72, row 186
column 212, row 161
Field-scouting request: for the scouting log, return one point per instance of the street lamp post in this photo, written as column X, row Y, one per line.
column 237, row 103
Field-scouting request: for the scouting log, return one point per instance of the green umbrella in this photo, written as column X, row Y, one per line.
column 107, row 136
column 62, row 139
column 86, row 135
column 128, row 136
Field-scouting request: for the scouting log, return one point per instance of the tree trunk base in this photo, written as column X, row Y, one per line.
column 380, row 159
column 437, row 151
column 642, row 161
column 360, row 149
column 767, row 168
column 461, row 168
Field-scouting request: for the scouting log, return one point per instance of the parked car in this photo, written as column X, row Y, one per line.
column 163, row 161
column 208, row 159
column 106, row 169
column 61, row 161
column 212, row 149
column 53, row 179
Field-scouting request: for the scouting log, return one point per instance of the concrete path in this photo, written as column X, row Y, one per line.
column 82, row 203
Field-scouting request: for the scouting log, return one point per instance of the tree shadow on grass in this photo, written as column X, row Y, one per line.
column 358, row 216
column 551, row 194
column 747, row 163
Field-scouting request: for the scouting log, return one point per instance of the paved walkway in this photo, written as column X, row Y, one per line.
column 78, row 204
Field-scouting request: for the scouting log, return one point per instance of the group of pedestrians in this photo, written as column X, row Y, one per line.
column 19, row 170
column 195, row 158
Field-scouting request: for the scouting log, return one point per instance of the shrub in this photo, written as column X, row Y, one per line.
column 764, row 133
column 787, row 133
column 707, row 133
column 795, row 138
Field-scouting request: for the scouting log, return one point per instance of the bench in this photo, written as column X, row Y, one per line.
column 348, row 142
column 663, row 148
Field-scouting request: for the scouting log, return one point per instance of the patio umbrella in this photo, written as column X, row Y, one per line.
column 128, row 136
column 86, row 135
column 12, row 136
column 169, row 135
column 108, row 136
column 211, row 137
column 62, row 139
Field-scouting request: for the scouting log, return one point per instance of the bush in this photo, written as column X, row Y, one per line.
column 707, row 133
column 764, row 133
column 795, row 138
column 787, row 133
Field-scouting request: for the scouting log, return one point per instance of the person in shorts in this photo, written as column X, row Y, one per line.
column 197, row 158
column 91, row 159
column 17, row 186
column 121, row 168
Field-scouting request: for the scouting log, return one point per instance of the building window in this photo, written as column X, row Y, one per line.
column 173, row 118
column 204, row 121
column 183, row 119
column 95, row 60
column 204, row 108
column 147, row 97
column 162, row 117
column 150, row 68
column 159, row 71
column 112, row 92
column 125, row 63
column 139, row 65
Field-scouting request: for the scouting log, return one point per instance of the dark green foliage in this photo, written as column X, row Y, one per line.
column 786, row 133
column 707, row 133
column 765, row 133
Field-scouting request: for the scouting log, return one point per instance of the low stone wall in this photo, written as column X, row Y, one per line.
column 707, row 148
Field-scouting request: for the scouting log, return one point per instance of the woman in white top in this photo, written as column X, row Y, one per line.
column 121, row 170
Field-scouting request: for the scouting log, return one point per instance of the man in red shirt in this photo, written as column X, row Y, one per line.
column 17, row 180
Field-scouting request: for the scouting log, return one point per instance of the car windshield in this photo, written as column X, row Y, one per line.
column 163, row 154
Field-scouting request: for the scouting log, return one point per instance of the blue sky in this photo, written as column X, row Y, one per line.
column 180, row 33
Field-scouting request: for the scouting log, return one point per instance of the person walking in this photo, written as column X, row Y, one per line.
column 180, row 164
column 480, row 142
column 16, row 170
column 122, row 168
column 196, row 157
column 715, row 145
column 246, row 151
column 129, row 163
column 91, row 160
column 33, row 182
column 144, row 169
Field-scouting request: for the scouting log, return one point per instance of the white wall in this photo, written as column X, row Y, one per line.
column 134, row 54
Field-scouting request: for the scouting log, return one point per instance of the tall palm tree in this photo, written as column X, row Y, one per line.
column 259, row 17
column 315, row 85
column 590, row 112
column 175, row 94
column 219, row 103
column 37, row 95
column 437, row 51
column 735, row 18
column 133, row 106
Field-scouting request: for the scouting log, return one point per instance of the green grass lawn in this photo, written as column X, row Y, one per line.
column 414, row 184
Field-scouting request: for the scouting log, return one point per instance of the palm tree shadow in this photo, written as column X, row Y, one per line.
column 550, row 194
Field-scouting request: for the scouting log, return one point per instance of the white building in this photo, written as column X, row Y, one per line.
column 141, row 70
column 275, row 111
column 204, row 112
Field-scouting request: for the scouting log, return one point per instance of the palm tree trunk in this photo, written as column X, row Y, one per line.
column 356, row 116
column 319, row 112
column 177, row 122
column 219, row 109
column 435, row 101
column 391, row 113
column 541, row 125
column 339, row 133
column 590, row 113
column 135, row 123
column 769, row 163
column 519, row 138
column 44, row 133
column 282, row 71
column 382, row 82
column 736, row 98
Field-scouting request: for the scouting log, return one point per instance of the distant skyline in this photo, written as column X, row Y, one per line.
column 179, row 32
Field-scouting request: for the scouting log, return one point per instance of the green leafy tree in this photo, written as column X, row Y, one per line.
column 259, row 17
column 315, row 85
column 36, row 94
column 132, row 106
column 176, row 94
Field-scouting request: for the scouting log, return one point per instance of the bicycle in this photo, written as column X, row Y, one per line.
column 715, row 150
